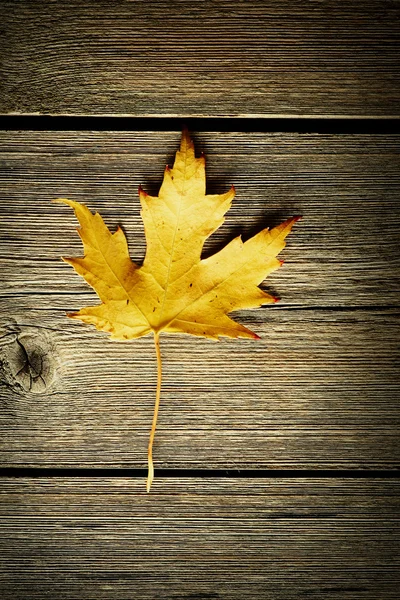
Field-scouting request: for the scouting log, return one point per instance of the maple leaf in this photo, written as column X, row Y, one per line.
column 174, row 290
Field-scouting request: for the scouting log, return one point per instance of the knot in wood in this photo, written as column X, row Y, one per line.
column 28, row 360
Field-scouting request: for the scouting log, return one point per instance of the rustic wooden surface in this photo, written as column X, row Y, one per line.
column 320, row 390
column 200, row 539
column 226, row 58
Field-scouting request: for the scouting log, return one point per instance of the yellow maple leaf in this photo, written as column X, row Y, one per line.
column 174, row 290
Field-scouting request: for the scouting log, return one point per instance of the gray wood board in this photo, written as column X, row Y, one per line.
column 344, row 253
column 199, row 539
column 321, row 387
column 224, row 58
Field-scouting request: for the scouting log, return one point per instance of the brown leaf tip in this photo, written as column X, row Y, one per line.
column 141, row 191
column 186, row 140
column 297, row 218
column 276, row 299
column 256, row 337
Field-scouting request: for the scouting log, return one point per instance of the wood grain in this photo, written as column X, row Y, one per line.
column 317, row 391
column 344, row 253
column 199, row 539
column 321, row 387
column 269, row 58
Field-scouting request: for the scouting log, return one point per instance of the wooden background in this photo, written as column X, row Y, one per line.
column 277, row 460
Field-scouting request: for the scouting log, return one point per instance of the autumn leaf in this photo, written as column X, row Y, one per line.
column 174, row 290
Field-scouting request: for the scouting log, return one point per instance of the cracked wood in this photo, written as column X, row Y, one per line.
column 226, row 58
column 320, row 390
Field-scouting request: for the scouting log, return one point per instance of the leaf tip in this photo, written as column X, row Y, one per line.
column 185, row 139
column 142, row 192
column 60, row 200
column 297, row 218
column 256, row 337
column 73, row 315
column 276, row 299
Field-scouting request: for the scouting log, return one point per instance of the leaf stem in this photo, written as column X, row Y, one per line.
column 150, row 475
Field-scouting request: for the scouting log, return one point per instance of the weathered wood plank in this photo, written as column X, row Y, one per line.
column 223, row 59
column 344, row 253
column 199, row 539
column 319, row 390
